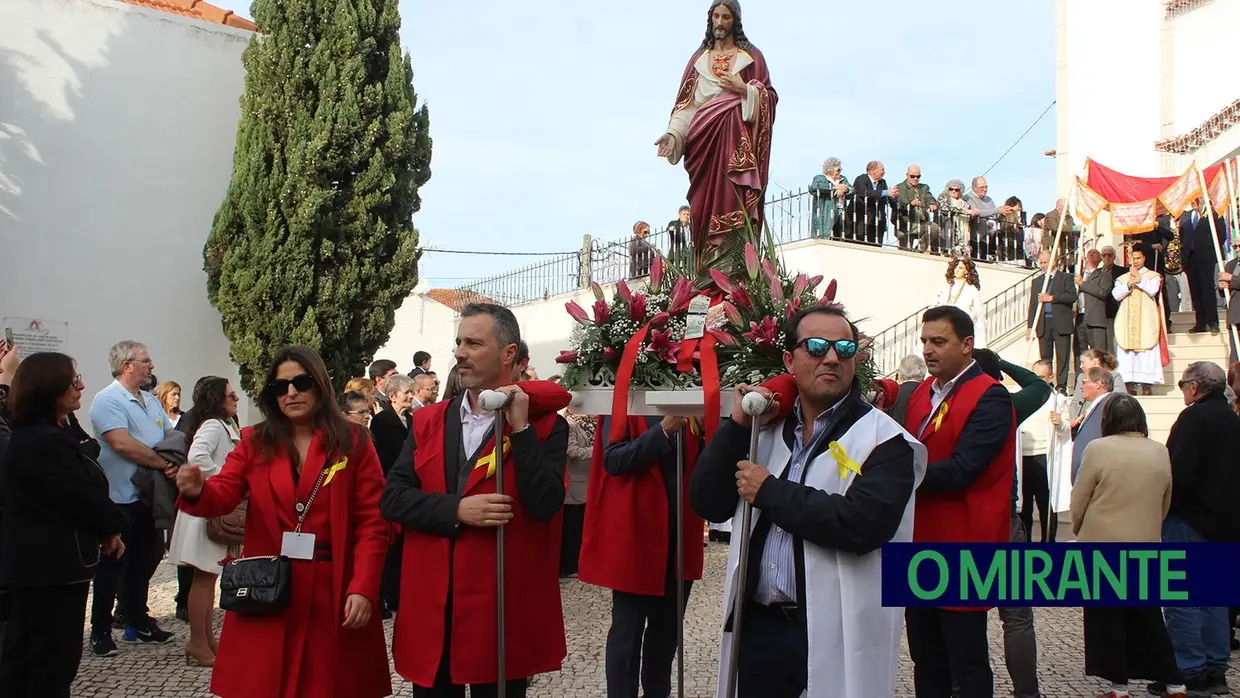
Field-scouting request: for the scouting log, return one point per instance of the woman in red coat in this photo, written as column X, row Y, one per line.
column 329, row 643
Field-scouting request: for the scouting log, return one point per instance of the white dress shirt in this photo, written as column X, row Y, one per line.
column 474, row 426
column 939, row 393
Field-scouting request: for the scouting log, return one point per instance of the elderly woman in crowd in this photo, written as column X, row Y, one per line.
column 58, row 523
column 1121, row 495
column 828, row 191
column 954, row 211
column 580, row 452
column 366, row 387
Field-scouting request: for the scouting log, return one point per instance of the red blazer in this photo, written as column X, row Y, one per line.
column 251, row 662
column 983, row 512
column 624, row 543
column 535, row 619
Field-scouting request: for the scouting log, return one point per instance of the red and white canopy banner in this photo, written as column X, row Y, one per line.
column 1136, row 202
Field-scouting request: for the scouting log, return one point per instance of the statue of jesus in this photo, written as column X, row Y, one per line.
column 721, row 126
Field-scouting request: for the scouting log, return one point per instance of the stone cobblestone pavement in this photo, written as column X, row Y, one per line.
column 160, row 671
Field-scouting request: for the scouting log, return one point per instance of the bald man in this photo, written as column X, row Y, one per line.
column 915, row 207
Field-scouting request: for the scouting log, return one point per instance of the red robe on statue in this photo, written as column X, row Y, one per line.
column 725, row 140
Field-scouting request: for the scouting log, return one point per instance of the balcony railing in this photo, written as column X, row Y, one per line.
column 791, row 217
column 1003, row 314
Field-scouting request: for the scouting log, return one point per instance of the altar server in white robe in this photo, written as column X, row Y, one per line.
column 832, row 482
column 1137, row 325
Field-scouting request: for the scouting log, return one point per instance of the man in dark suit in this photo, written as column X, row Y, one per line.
column 871, row 202
column 1055, row 325
column 1199, row 261
column 1097, row 302
column 1096, row 388
column 390, row 430
column 680, row 238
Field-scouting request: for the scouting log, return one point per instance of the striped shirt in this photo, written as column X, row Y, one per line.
column 777, row 578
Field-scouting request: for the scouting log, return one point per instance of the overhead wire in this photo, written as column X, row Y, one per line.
column 1022, row 137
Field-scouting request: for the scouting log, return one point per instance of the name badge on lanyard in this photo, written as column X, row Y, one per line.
column 297, row 546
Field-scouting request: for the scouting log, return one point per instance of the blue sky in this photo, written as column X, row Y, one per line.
column 544, row 119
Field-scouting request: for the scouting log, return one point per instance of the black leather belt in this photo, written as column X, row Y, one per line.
column 788, row 610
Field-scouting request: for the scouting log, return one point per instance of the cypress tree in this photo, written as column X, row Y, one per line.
column 314, row 242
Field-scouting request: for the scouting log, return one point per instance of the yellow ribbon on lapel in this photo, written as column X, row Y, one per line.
column 841, row 457
column 938, row 419
column 488, row 461
column 340, row 465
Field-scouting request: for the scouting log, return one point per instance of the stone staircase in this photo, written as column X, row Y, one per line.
column 1164, row 405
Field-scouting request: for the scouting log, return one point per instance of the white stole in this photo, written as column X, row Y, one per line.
column 854, row 642
column 1059, row 458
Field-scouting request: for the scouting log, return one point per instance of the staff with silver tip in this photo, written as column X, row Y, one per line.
column 759, row 406
column 510, row 404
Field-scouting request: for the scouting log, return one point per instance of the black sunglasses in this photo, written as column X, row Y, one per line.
column 303, row 383
column 818, row 347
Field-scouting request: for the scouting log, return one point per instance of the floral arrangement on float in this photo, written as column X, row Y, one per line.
column 683, row 338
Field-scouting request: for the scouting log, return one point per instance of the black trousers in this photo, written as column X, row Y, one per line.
column 1061, row 346
column 43, row 640
column 389, row 582
column 1036, row 491
column 1201, row 286
column 949, row 648
column 444, row 688
column 774, row 653
column 1129, row 643
column 642, row 642
column 570, row 538
column 130, row 576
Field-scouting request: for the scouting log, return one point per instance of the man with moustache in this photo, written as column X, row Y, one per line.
column 967, row 422
column 721, row 125
column 833, row 481
column 441, row 491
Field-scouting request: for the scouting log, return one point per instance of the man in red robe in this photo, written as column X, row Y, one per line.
column 441, row 491
column 966, row 420
column 629, row 546
column 721, row 126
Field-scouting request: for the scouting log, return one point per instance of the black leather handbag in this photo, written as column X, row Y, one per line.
column 260, row 586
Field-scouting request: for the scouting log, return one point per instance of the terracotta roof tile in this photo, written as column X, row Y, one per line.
column 455, row 298
column 197, row 9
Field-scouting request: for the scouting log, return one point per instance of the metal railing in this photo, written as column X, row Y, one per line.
column 532, row 283
column 1003, row 314
column 791, row 217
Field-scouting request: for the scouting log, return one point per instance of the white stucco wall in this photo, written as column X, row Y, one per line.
column 117, row 126
column 422, row 325
column 879, row 287
column 1116, row 102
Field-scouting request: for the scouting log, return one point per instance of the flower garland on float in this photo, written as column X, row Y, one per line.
column 712, row 332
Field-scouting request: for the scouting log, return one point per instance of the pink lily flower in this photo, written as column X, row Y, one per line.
column 740, row 296
column 578, row 312
column 659, row 320
column 566, row 357
column 751, row 261
column 682, row 293
column 722, row 337
column 799, row 285
column 663, row 346
column 602, row 313
column 734, row 316
column 777, row 289
column 656, row 273
column 722, row 281
column 609, row 354
column 764, row 333
column 637, row 308
column 597, row 290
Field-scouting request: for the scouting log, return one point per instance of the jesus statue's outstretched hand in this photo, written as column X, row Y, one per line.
column 666, row 143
